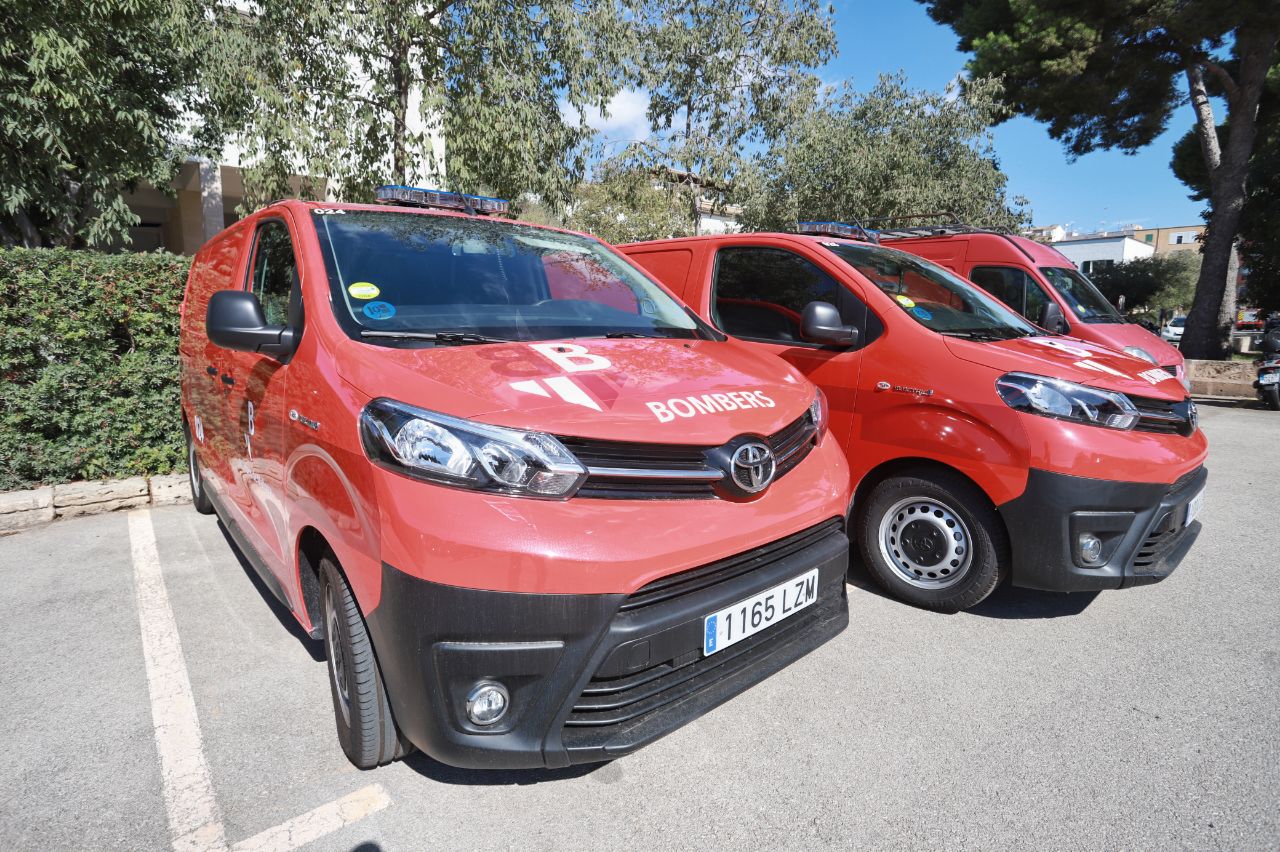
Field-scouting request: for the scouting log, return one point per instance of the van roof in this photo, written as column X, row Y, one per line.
column 1038, row 253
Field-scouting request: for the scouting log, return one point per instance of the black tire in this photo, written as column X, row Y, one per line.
column 366, row 729
column 1271, row 396
column 199, row 491
column 955, row 547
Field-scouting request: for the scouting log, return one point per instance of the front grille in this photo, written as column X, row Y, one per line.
column 695, row 579
column 1171, row 369
column 614, row 700
column 790, row 445
column 1164, row 536
column 1162, row 416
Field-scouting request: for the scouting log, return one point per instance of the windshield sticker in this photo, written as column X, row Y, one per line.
column 708, row 403
column 364, row 290
column 922, row 314
column 906, row 301
column 379, row 310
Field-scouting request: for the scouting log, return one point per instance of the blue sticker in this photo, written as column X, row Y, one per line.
column 922, row 313
column 379, row 310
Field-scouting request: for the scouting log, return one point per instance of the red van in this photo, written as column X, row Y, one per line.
column 1038, row 282
column 539, row 513
column 980, row 444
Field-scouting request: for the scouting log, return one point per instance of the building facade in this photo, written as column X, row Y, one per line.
column 1093, row 252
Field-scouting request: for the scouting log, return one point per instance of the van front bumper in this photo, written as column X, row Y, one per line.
column 591, row 677
column 1142, row 527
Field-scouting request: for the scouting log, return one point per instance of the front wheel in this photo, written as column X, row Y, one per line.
column 933, row 540
column 199, row 493
column 1271, row 396
column 366, row 730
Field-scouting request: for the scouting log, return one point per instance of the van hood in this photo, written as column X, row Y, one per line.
column 642, row 389
column 1118, row 335
column 1073, row 360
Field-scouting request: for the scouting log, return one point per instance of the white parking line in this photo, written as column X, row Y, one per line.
column 195, row 823
column 194, row 820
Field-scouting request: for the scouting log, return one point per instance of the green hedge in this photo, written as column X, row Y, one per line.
column 88, row 365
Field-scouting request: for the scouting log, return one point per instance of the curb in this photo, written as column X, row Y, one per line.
column 20, row 510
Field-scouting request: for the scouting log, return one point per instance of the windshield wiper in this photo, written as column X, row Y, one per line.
column 628, row 334
column 985, row 333
column 437, row 336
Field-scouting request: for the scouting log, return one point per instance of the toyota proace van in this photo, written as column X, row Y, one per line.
column 1038, row 282
column 539, row 513
column 981, row 446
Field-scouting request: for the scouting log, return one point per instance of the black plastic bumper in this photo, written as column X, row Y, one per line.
column 1142, row 527
column 591, row 677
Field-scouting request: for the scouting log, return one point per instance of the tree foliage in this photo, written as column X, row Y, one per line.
column 888, row 152
column 92, row 99
column 626, row 204
column 1110, row 75
column 1162, row 282
column 352, row 91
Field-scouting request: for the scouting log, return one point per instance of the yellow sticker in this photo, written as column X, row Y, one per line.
column 906, row 301
column 363, row 290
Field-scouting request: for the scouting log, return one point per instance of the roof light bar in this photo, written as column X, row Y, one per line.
column 417, row 197
column 839, row 229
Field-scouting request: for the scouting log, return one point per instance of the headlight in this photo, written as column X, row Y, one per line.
column 1066, row 401
column 818, row 412
column 1139, row 352
column 465, row 454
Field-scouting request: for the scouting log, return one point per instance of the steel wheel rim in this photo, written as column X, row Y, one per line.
column 337, row 663
column 926, row 543
column 193, row 469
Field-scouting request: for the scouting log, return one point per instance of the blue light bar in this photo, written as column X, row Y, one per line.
column 839, row 229
column 418, row 197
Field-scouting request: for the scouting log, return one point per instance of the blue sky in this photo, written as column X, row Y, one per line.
column 1105, row 187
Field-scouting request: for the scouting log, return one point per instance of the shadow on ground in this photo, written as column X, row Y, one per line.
column 1005, row 602
column 314, row 647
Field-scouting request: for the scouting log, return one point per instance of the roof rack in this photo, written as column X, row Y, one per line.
column 949, row 227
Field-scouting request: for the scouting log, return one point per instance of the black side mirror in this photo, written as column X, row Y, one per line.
column 821, row 323
column 1051, row 319
column 234, row 320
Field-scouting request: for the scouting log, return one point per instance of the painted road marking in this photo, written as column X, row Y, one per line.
column 317, row 823
column 195, row 822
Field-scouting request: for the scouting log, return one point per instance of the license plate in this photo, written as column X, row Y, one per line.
column 1269, row 378
column 1194, row 505
column 748, row 617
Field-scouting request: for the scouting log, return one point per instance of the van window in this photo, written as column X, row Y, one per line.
column 1077, row 291
column 1012, row 286
column 759, row 293
column 401, row 279
column 274, row 271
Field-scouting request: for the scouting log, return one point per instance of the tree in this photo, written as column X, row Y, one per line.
column 1162, row 282
column 92, row 98
column 884, row 153
column 625, row 204
column 1108, row 75
column 1260, row 216
column 351, row 91
column 722, row 76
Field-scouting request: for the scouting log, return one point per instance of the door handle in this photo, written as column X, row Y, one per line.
column 213, row 371
column 227, row 379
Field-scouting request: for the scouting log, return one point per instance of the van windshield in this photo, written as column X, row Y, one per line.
column 932, row 296
column 1086, row 303
column 406, row 277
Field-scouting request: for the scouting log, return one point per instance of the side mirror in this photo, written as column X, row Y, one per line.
column 1051, row 319
column 234, row 320
column 821, row 323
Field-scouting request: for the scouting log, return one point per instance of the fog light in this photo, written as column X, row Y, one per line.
column 1090, row 547
column 487, row 702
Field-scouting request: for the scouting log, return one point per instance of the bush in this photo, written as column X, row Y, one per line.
column 88, row 365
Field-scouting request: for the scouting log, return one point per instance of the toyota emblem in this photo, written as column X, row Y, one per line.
column 753, row 467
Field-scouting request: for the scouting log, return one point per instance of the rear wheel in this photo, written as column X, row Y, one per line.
column 199, row 495
column 933, row 540
column 366, row 729
column 1271, row 396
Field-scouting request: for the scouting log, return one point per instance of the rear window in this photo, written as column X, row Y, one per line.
column 419, row 274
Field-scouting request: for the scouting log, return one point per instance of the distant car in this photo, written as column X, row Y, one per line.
column 1248, row 320
column 1172, row 331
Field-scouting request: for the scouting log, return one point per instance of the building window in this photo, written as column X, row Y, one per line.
column 1150, row 238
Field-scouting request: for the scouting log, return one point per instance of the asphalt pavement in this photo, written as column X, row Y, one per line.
column 1145, row 718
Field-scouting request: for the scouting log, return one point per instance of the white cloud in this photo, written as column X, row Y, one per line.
column 625, row 120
